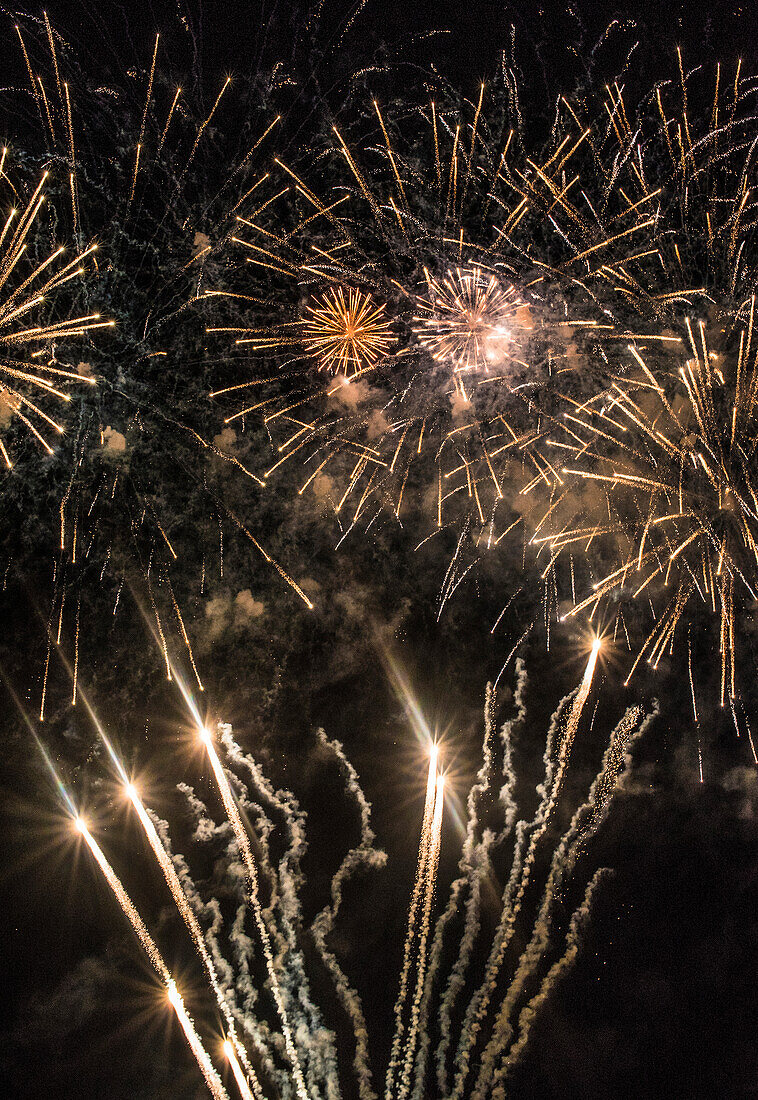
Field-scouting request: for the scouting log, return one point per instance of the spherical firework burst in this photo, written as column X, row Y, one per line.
column 345, row 331
column 464, row 319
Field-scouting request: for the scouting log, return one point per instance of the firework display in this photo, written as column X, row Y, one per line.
column 300, row 1057
column 308, row 384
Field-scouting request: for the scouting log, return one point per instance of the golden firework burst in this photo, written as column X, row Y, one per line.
column 29, row 370
column 346, row 331
column 673, row 453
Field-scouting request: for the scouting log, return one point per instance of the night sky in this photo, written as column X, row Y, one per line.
column 661, row 998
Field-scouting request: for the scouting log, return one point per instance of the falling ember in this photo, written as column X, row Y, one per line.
column 466, row 318
column 246, row 851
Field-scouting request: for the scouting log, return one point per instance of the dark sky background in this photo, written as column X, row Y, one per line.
column 662, row 999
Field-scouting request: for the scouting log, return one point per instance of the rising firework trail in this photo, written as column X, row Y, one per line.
column 417, row 897
column 185, row 909
column 239, row 1077
column 243, row 841
column 212, row 1078
column 430, row 882
column 521, row 873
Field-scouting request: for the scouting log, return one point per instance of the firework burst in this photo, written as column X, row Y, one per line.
column 441, row 230
column 674, row 456
column 652, row 489
column 30, row 373
column 464, row 319
column 345, row 332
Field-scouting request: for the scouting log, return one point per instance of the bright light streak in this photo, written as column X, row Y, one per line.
column 425, row 846
column 429, row 889
column 212, row 1079
column 188, row 916
column 239, row 1076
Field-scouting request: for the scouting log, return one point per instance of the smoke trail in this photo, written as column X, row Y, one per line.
column 212, row 1079
column 530, row 1012
column 416, row 897
column 189, row 918
column 479, row 1004
column 474, row 865
column 365, row 855
column 311, row 1033
column 429, row 885
column 246, row 851
column 584, row 825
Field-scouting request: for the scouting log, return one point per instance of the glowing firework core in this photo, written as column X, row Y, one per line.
column 464, row 319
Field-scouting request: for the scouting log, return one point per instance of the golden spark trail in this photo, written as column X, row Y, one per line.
column 418, row 885
column 429, row 886
column 246, row 852
column 126, row 904
column 212, row 1079
column 573, row 720
column 188, row 916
